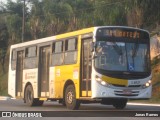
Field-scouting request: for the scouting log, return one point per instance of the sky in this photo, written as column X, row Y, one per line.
column 4, row 1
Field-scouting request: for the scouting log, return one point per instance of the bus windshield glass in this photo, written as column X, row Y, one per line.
column 122, row 56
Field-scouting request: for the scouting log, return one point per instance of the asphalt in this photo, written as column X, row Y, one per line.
column 129, row 103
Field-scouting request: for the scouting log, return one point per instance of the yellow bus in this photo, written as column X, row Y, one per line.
column 105, row 64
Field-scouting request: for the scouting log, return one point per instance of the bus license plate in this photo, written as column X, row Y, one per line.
column 127, row 92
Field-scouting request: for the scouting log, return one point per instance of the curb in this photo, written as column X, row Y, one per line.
column 4, row 98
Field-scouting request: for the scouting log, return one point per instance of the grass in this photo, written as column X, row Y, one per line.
column 4, row 78
column 3, row 83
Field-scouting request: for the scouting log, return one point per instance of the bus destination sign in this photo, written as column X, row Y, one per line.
column 122, row 33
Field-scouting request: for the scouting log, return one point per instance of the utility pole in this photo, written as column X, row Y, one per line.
column 23, row 21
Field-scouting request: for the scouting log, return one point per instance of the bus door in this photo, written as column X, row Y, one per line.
column 44, row 62
column 86, row 65
column 19, row 73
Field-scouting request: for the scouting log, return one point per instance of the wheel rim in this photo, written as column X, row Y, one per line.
column 70, row 97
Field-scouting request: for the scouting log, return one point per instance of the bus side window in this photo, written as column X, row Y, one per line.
column 71, row 44
column 53, row 47
column 59, row 47
column 31, row 51
column 26, row 52
column 13, row 59
column 57, row 56
column 70, row 51
column 30, row 57
column 14, row 55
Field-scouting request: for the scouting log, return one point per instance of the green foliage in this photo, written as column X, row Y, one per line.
column 155, row 61
column 156, row 84
column 3, row 83
column 14, row 8
column 49, row 17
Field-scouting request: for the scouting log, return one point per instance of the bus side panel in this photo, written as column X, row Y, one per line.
column 11, row 78
column 31, row 76
column 64, row 73
column 11, row 83
column 52, row 82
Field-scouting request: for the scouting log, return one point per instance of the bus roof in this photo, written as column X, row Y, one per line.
column 56, row 37
column 68, row 34
column 123, row 27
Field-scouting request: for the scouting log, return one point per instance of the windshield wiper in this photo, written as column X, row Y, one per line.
column 131, row 66
column 135, row 49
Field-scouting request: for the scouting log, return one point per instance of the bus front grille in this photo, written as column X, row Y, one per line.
column 126, row 93
column 126, row 86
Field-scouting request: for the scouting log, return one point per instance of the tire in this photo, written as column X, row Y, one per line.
column 120, row 103
column 39, row 102
column 29, row 97
column 70, row 98
column 107, row 101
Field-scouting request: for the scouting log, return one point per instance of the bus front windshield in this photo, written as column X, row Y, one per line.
column 122, row 56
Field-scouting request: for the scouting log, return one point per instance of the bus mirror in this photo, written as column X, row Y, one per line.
column 95, row 56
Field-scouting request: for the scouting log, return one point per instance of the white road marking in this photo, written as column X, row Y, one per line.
column 13, row 98
column 143, row 104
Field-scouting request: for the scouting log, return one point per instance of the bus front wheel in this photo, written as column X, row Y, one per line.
column 29, row 97
column 120, row 103
column 70, row 98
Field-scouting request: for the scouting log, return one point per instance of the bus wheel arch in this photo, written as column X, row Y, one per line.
column 25, row 91
column 68, row 82
column 69, row 96
column 29, row 96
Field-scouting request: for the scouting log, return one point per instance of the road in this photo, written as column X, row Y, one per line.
column 86, row 110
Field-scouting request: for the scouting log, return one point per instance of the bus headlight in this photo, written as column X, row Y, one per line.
column 147, row 84
column 104, row 83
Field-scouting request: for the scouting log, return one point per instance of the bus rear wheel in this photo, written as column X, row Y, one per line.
column 29, row 97
column 70, row 98
column 120, row 103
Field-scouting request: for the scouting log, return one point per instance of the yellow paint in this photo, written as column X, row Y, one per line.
column 115, row 80
column 62, row 74
column 75, row 33
column 89, row 93
column 44, row 99
column 84, row 93
column 67, row 72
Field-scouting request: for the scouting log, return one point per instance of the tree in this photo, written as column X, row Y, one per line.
column 3, row 44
